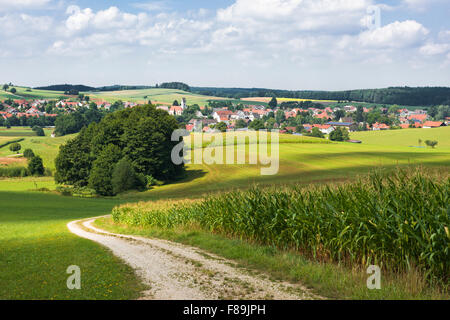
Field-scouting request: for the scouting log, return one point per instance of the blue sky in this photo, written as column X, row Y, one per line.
column 285, row 44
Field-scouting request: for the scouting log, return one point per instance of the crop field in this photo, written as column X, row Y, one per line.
column 267, row 100
column 35, row 222
column 156, row 96
column 371, row 221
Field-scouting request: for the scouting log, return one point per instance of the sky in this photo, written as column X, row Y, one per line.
column 278, row 44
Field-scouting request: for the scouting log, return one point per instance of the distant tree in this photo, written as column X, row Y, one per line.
column 13, row 90
column 280, row 117
column 338, row 114
column 340, row 134
column 5, row 87
column 257, row 125
column 270, row 123
column 240, row 124
column 273, row 103
column 316, row 133
column 39, row 131
column 431, row 144
column 221, row 126
column 420, row 142
column 15, row 147
column 28, row 153
column 36, row 166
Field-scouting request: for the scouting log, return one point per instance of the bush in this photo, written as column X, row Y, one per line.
column 125, row 178
column 15, row 147
column 39, row 131
column 13, row 172
column 36, row 166
column 28, row 153
column 340, row 134
column 431, row 144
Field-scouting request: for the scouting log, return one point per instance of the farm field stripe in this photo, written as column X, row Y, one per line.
column 178, row 272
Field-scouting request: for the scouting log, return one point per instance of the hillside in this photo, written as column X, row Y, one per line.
column 425, row 96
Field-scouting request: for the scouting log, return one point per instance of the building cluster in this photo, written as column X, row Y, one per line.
column 326, row 120
column 24, row 108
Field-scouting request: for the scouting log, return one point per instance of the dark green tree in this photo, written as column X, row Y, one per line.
column 273, row 103
column 28, row 153
column 15, row 147
column 125, row 178
column 100, row 178
column 36, row 166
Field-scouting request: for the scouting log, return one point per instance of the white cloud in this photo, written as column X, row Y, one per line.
column 394, row 35
column 22, row 4
column 432, row 49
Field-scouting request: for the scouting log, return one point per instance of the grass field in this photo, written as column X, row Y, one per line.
column 166, row 96
column 280, row 100
column 36, row 247
column 22, row 93
column 46, row 147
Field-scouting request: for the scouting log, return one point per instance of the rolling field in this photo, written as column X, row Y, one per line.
column 163, row 96
column 22, row 93
column 405, row 137
column 267, row 100
column 36, row 247
column 46, row 147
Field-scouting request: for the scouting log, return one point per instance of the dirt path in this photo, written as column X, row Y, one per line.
column 178, row 272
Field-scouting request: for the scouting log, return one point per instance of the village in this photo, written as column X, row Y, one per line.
column 292, row 120
column 287, row 119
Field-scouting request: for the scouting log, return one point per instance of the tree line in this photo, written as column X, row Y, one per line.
column 408, row 96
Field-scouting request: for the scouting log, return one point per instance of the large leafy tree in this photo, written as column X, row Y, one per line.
column 142, row 134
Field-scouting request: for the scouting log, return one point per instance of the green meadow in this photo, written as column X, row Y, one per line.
column 36, row 248
column 46, row 147
column 155, row 95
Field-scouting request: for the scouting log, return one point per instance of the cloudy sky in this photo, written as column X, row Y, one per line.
column 285, row 44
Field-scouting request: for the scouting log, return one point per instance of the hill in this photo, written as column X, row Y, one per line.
column 66, row 87
column 420, row 96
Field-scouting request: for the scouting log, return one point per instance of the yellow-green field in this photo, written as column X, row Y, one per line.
column 23, row 93
column 167, row 96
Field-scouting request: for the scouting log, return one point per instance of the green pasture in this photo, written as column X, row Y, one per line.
column 154, row 95
column 36, row 248
column 46, row 147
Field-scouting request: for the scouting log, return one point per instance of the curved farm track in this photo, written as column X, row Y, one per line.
column 177, row 272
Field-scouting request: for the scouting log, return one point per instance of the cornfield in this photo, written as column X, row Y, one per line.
column 397, row 221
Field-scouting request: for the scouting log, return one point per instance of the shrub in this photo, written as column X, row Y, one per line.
column 13, row 172
column 28, row 153
column 15, row 147
column 39, row 131
column 36, row 166
column 431, row 144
